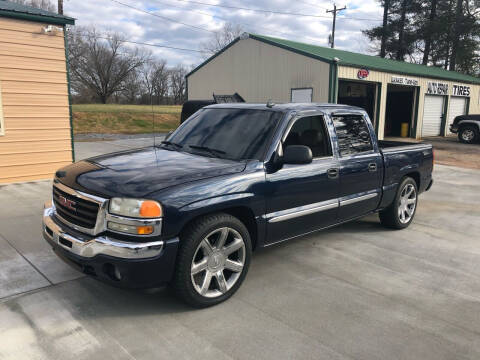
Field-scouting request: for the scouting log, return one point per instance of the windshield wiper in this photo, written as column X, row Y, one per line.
column 214, row 152
column 166, row 142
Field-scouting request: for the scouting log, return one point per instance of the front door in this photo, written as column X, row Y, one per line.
column 303, row 198
column 361, row 166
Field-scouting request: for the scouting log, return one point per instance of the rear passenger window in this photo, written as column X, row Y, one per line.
column 353, row 134
column 310, row 131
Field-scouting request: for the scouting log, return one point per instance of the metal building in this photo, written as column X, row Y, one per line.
column 35, row 118
column 421, row 100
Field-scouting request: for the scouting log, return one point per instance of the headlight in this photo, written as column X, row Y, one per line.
column 136, row 208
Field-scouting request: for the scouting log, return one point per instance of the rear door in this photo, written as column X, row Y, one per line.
column 361, row 166
column 303, row 197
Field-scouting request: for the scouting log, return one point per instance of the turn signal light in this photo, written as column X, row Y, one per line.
column 130, row 229
column 144, row 230
column 150, row 209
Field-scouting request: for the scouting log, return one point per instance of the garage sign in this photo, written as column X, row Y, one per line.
column 437, row 88
column 460, row 90
column 363, row 74
column 400, row 80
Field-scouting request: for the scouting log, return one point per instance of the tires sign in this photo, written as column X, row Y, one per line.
column 363, row 74
column 460, row 90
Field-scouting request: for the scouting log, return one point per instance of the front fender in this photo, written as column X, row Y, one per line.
column 254, row 203
column 222, row 201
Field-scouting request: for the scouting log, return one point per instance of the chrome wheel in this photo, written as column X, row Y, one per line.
column 218, row 262
column 468, row 135
column 407, row 203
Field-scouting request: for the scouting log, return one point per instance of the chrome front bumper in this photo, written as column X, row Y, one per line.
column 88, row 247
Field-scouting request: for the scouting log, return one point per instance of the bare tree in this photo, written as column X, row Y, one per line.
column 154, row 75
column 220, row 39
column 132, row 88
column 178, row 84
column 39, row 4
column 100, row 63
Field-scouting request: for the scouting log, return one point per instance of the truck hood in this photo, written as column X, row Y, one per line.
column 137, row 173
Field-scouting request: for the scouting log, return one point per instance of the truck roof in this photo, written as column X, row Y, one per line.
column 285, row 106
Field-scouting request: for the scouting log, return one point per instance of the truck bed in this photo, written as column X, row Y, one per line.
column 402, row 158
column 392, row 146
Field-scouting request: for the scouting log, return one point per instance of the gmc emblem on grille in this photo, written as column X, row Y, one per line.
column 69, row 204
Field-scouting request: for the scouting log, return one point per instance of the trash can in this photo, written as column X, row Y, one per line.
column 404, row 130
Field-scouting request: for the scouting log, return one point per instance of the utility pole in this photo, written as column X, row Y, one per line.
column 60, row 7
column 334, row 11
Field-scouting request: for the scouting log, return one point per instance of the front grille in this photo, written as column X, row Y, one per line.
column 82, row 212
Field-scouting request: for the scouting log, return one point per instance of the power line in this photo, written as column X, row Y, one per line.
column 255, row 10
column 308, row 3
column 270, row 11
column 229, row 20
column 138, row 42
column 161, row 17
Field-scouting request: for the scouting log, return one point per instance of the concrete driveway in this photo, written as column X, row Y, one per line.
column 358, row 291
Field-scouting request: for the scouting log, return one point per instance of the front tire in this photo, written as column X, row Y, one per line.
column 468, row 134
column 400, row 213
column 213, row 260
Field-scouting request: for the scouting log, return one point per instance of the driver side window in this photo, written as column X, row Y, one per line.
column 310, row 131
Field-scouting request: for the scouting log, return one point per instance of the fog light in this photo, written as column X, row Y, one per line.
column 130, row 229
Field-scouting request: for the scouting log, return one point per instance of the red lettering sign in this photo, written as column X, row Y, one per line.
column 363, row 73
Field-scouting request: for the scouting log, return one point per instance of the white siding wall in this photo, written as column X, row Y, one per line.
column 259, row 72
column 346, row 72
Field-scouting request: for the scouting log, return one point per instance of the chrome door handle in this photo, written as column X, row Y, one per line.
column 372, row 167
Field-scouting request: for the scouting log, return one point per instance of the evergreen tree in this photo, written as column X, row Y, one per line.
column 444, row 33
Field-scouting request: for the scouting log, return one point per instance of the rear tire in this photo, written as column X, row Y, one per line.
column 468, row 134
column 401, row 212
column 213, row 260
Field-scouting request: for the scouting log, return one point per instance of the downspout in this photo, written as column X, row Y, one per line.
column 65, row 40
column 333, row 81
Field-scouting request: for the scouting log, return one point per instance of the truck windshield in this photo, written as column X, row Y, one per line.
column 236, row 134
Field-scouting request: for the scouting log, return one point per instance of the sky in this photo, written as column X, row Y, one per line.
column 187, row 24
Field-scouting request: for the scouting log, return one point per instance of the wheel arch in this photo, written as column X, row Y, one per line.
column 243, row 213
column 415, row 175
column 464, row 123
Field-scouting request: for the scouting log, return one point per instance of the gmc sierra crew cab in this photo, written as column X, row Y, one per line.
column 232, row 178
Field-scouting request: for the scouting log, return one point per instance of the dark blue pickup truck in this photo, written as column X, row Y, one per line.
column 231, row 179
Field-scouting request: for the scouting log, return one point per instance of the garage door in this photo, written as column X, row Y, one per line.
column 432, row 115
column 457, row 106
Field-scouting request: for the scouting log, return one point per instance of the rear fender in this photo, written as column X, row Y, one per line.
column 469, row 122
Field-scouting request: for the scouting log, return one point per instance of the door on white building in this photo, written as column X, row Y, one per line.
column 432, row 115
column 457, row 106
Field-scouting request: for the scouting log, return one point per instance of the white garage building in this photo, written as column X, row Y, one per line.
column 422, row 100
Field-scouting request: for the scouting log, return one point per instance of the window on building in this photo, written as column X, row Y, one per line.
column 301, row 95
column 310, row 131
column 353, row 134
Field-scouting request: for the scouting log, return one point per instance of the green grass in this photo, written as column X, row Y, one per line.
column 114, row 108
column 124, row 119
